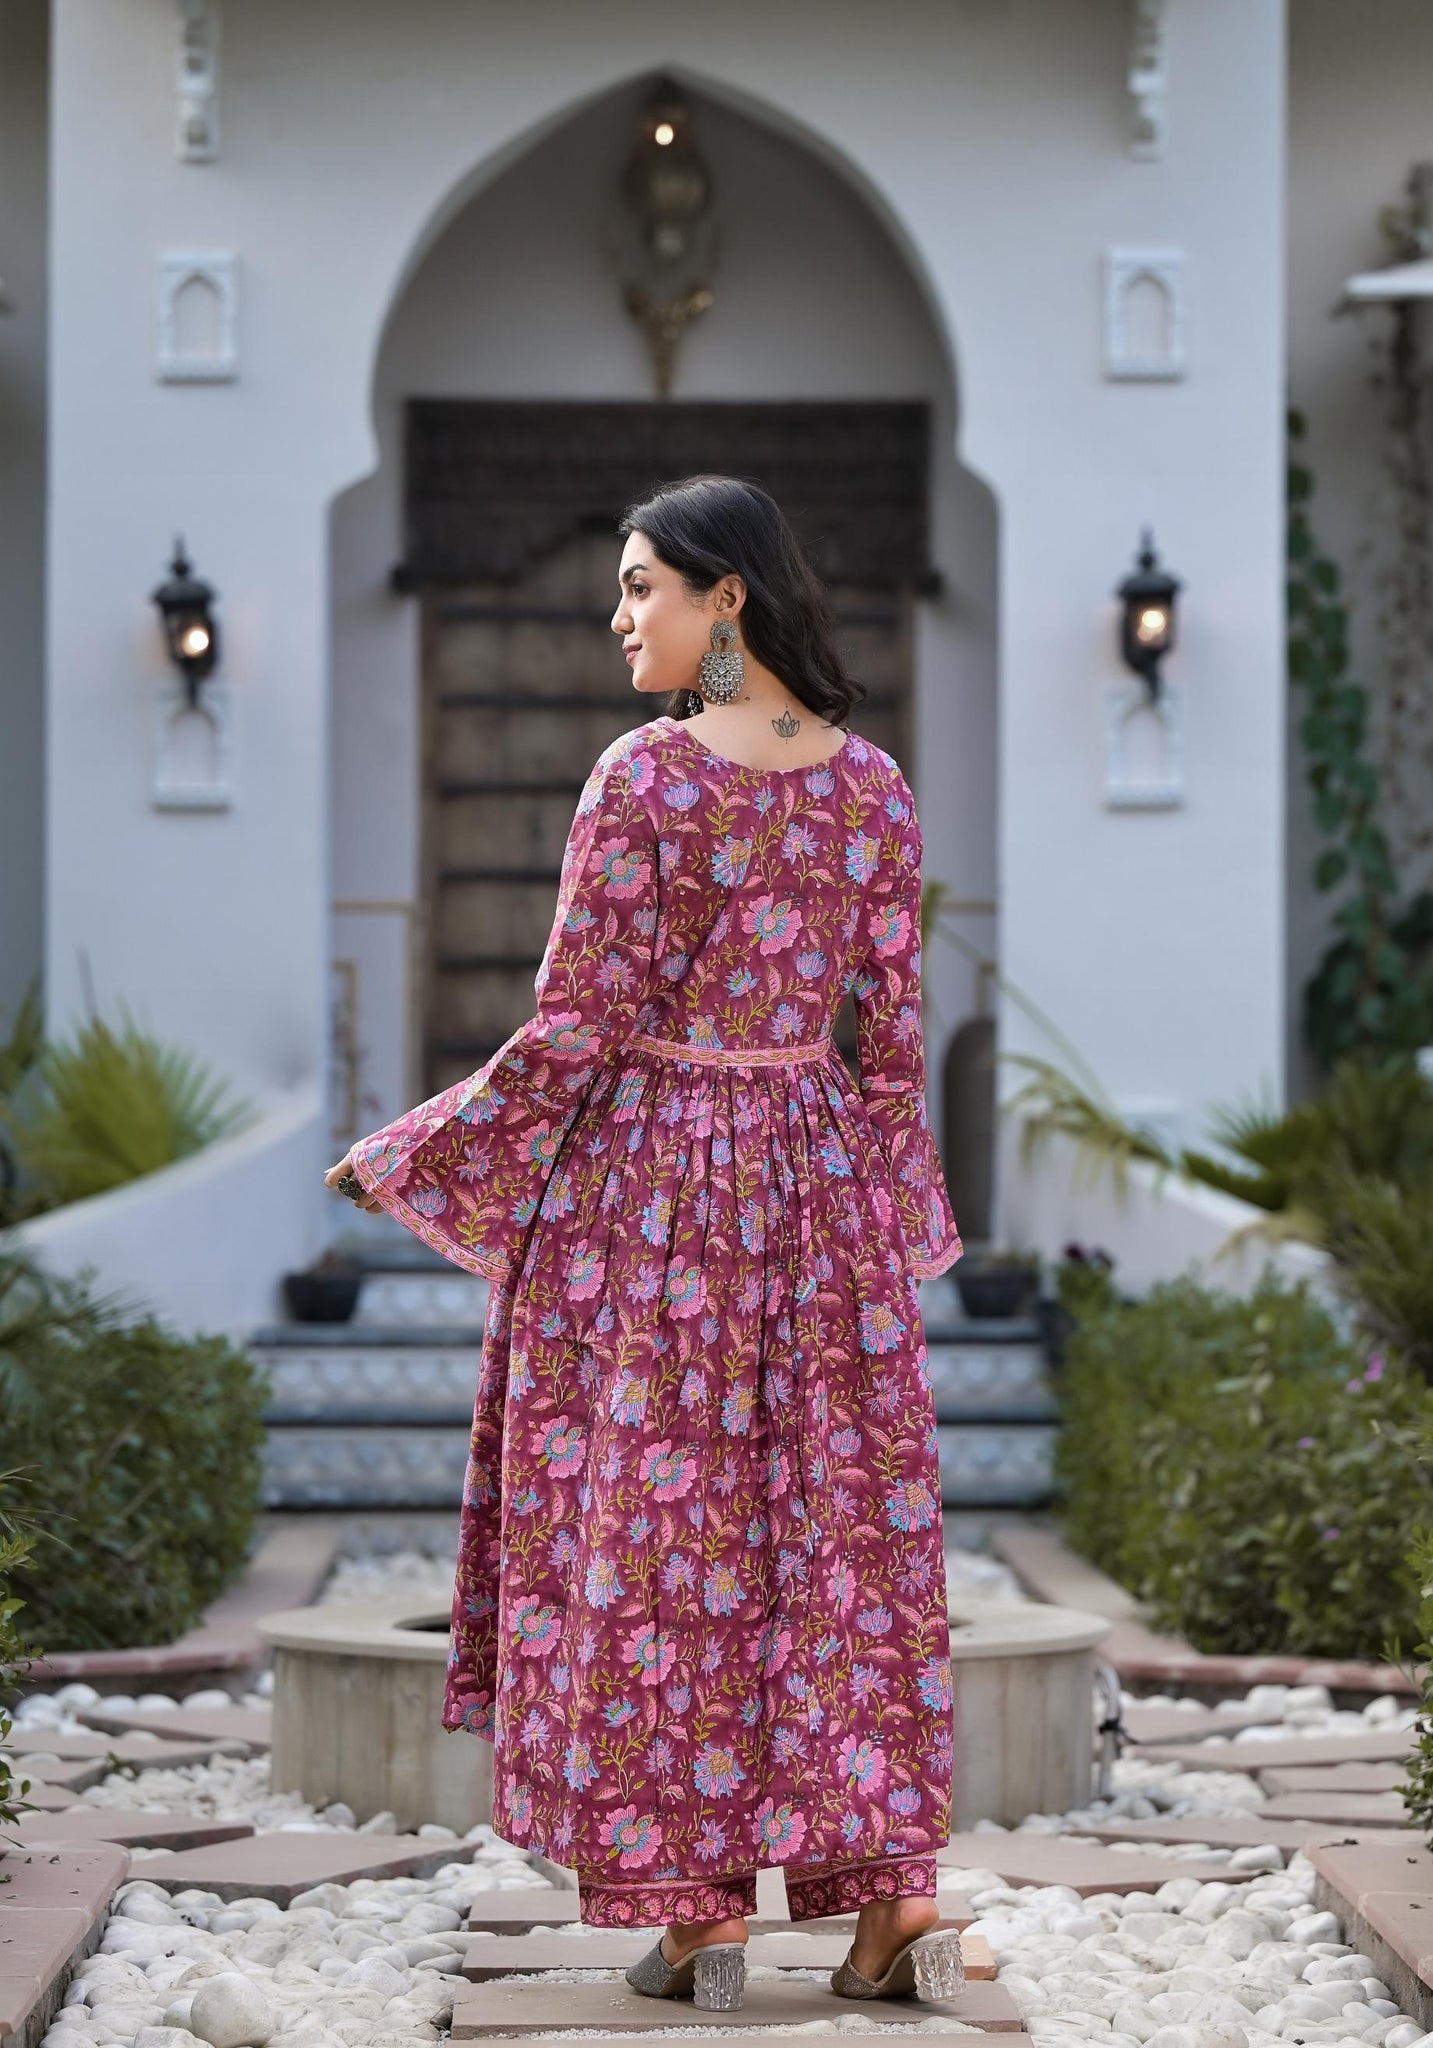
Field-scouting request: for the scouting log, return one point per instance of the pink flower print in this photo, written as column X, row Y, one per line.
column 845, row 1442
column 736, row 1411
column 536, row 1730
column 730, row 859
column 711, row 1841
column 681, row 796
column 534, row 1626
column 773, row 1647
column 669, row 1473
column 560, row 1444
column 629, row 1398
column 383, row 1159
column 841, row 1584
column 578, row 1765
column 475, row 1710
column 651, row 1652
column 889, row 926
column 911, row 1506
column 694, row 1387
column 520, row 1809
column 685, row 1289
column 716, row 1771
column 798, row 841
column 639, row 770
column 637, row 1836
column 879, row 1327
column 780, row 1829
column 876, row 1621
column 866, row 1680
column 601, row 1587
column 584, row 1273
column 811, row 964
column 623, row 873
column 862, row 854
column 934, row 1682
column 774, row 922
column 679, row 1570
column 751, row 1221
column 721, row 1590
column 569, row 1032
column 428, row 1201
column 904, row 1799
column 864, row 1761
column 656, row 1219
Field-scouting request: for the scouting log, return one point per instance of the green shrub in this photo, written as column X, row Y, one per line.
column 1246, row 1472
column 1418, row 1789
column 146, row 1456
column 112, row 1106
column 14, row 1652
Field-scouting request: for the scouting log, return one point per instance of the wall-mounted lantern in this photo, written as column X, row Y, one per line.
column 190, row 629
column 1147, row 626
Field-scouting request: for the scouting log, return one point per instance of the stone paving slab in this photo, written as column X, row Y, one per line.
column 1383, row 1892
column 47, row 1797
column 613, row 1948
column 482, row 2011
column 279, row 1865
column 1186, row 1724
column 128, row 1748
column 133, row 1828
column 1359, row 1809
column 1334, row 1778
column 54, row 1904
column 1055, row 1859
column 65, row 1777
column 1224, row 1831
column 1386, row 1745
column 732, row 2037
column 253, row 1726
column 519, row 1912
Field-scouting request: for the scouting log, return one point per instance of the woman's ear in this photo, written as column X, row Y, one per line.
column 730, row 595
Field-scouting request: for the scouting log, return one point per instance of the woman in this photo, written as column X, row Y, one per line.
column 701, row 1606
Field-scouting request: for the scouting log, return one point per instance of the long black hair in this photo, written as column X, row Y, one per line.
column 709, row 526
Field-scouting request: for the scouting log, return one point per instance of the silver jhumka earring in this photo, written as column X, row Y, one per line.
column 721, row 669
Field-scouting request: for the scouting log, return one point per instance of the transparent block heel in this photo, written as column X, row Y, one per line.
column 720, row 1977
column 939, row 1965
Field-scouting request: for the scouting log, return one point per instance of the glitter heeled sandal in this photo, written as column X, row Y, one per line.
column 928, row 1966
column 713, row 1976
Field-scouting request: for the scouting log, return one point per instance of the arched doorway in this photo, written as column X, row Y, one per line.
column 469, row 705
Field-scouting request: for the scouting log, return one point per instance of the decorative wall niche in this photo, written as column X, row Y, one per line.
column 1144, row 748
column 192, row 749
column 1144, row 313
column 198, row 316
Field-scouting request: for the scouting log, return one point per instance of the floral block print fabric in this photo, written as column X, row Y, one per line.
column 700, row 1608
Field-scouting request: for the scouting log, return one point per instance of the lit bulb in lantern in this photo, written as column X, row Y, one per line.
column 664, row 134
column 1152, row 623
column 194, row 639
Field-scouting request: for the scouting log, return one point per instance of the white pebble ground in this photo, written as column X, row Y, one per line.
column 1243, row 1963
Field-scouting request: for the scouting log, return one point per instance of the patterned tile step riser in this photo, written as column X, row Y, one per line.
column 423, row 1467
column 993, row 1382
column 374, row 1384
column 422, row 1298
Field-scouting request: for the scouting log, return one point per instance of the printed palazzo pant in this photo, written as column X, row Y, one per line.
column 812, row 1890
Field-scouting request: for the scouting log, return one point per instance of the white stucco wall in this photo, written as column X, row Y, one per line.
column 992, row 141
column 24, row 65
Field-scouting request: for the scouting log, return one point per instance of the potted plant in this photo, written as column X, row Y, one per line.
column 327, row 1290
column 992, row 1283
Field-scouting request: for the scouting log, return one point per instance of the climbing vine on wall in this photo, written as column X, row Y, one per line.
column 1373, row 988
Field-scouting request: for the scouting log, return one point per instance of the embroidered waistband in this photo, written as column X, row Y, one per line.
column 732, row 1055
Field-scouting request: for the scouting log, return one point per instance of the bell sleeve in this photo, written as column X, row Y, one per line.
column 466, row 1171
column 890, row 1050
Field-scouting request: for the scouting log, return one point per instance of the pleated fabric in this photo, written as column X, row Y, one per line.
column 701, row 1607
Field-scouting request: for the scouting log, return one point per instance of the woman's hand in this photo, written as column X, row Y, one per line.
column 335, row 1173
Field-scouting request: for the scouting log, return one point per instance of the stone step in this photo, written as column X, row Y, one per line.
column 1383, row 1894
column 1220, row 1831
column 309, row 1466
column 132, row 1828
column 55, row 1902
column 385, row 1379
column 613, row 1948
column 977, row 1381
column 1188, row 1724
column 1334, row 1778
column 279, row 1865
column 1358, row 1809
column 984, row 1465
column 498, row 2010
column 1385, row 1745
column 251, row 1726
column 1028, row 1858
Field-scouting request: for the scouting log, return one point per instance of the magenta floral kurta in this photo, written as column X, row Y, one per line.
column 700, row 1607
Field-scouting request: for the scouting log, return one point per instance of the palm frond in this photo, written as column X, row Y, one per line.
column 1056, row 1105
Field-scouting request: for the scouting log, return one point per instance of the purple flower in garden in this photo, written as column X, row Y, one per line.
column 1374, row 1369
column 1331, row 1535
column 1306, row 1443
